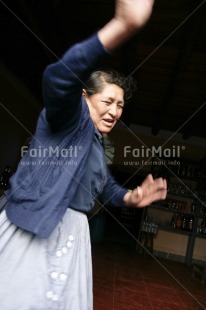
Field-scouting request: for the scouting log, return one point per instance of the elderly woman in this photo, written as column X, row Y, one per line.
column 45, row 245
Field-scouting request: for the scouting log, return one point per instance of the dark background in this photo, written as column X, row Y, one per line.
column 167, row 58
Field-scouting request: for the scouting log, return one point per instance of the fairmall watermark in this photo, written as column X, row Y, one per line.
column 51, row 156
column 49, row 162
column 152, row 163
column 159, row 152
column 51, row 152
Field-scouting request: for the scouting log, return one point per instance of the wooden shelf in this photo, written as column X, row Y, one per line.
column 175, row 230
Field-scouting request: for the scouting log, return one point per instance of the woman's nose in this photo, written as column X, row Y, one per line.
column 113, row 110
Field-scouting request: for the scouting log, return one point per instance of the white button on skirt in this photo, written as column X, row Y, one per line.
column 41, row 274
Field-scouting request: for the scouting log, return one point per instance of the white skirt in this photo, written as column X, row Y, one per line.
column 46, row 274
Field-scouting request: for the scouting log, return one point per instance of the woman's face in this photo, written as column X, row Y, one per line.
column 106, row 107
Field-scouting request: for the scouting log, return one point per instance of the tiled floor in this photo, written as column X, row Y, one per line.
column 126, row 280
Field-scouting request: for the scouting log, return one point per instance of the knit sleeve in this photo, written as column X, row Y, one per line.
column 63, row 82
column 113, row 193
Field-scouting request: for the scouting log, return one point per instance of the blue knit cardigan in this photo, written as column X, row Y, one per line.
column 45, row 183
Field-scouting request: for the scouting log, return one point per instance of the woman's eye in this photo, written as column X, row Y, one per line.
column 120, row 106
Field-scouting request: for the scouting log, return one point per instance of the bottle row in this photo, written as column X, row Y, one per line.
column 201, row 228
column 174, row 204
column 183, row 206
column 149, row 226
column 183, row 222
column 186, row 223
column 181, row 189
column 189, row 170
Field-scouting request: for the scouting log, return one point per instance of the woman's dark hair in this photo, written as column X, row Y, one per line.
column 97, row 80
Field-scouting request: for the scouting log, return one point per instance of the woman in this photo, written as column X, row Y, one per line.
column 45, row 245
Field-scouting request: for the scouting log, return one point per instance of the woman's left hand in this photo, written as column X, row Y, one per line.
column 149, row 191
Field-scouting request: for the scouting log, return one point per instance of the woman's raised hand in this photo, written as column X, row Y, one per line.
column 133, row 14
column 130, row 16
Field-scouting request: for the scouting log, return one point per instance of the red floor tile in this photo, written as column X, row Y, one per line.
column 126, row 280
